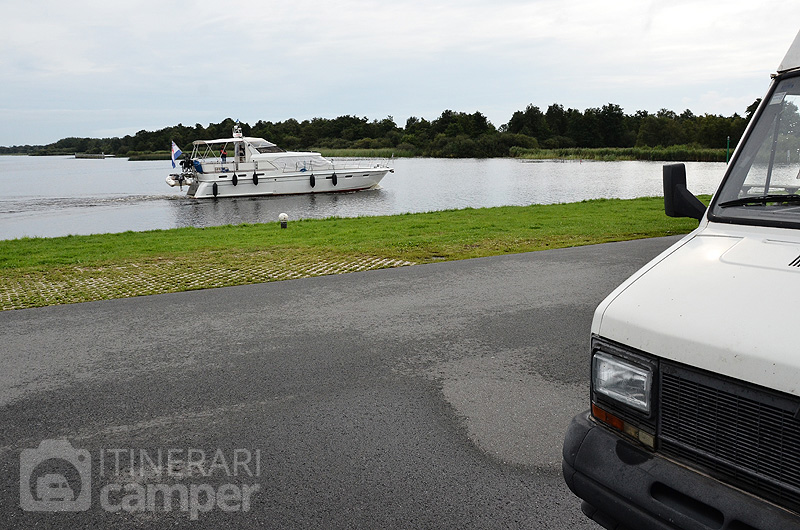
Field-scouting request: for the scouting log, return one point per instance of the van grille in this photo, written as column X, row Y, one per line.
column 747, row 436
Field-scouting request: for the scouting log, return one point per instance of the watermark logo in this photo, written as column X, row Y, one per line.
column 56, row 477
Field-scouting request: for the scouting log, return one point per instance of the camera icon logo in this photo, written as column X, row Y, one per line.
column 55, row 477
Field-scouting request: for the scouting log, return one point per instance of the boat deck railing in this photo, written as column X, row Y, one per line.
column 359, row 163
column 310, row 165
column 335, row 164
column 215, row 165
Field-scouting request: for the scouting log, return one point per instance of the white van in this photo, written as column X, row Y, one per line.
column 695, row 359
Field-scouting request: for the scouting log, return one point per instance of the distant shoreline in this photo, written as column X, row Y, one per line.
column 676, row 153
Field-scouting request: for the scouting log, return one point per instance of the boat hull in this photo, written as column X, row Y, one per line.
column 243, row 184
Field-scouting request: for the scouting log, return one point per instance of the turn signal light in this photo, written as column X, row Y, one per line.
column 634, row 432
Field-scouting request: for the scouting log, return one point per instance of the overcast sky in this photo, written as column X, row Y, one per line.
column 103, row 68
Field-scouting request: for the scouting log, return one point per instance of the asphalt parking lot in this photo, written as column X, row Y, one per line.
column 432, row 396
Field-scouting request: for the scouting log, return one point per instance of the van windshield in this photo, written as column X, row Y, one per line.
column 763, row 185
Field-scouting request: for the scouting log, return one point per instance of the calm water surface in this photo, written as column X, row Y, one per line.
column 55, row 196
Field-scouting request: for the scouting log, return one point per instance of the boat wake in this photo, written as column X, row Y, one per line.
column 22, row 205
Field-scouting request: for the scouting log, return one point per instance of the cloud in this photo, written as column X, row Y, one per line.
column 115, row 67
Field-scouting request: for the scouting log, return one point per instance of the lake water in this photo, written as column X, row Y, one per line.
column 55, row 196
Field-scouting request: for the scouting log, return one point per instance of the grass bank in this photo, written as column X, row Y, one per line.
column 674, row 153
column 156, row 155
column 45, row 271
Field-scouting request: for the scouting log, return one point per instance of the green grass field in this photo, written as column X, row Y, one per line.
column 45, row 271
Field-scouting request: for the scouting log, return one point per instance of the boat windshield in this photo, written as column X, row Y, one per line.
column 263, row 146
column 762, row 184
column 270, row 149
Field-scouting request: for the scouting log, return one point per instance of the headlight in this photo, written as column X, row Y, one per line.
column 622, row 381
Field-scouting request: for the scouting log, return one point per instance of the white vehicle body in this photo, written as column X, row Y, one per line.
column 710, row 300
column 695, row 391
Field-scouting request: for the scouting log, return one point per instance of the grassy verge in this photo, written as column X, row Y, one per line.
column 46, row 271
column 675, row 153
column 157, row 155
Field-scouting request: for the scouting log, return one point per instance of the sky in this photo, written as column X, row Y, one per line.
column 104, row 69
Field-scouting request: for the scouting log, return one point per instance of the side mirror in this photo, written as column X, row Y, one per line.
column 678, row 200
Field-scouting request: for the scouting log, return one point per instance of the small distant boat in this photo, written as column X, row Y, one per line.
column 90, row 155
column 258, row 167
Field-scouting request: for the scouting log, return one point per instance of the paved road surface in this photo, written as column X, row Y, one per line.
column 433, row 396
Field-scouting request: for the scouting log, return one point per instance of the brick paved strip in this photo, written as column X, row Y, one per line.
column 69, row 285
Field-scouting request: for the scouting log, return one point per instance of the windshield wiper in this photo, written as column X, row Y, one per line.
column 762, row 199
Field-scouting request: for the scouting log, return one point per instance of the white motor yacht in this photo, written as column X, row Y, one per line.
column 254, row 166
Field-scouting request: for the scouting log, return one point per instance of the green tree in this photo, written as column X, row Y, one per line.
column 531, row 122
column 611, row 124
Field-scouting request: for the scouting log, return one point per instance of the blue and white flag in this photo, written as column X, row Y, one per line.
column 176, row 153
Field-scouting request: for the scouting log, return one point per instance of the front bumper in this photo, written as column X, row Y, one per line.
column 625, row 487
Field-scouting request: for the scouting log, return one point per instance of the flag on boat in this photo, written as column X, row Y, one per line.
column 176, row 153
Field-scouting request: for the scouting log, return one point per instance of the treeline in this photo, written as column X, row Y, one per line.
column 453, row 134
